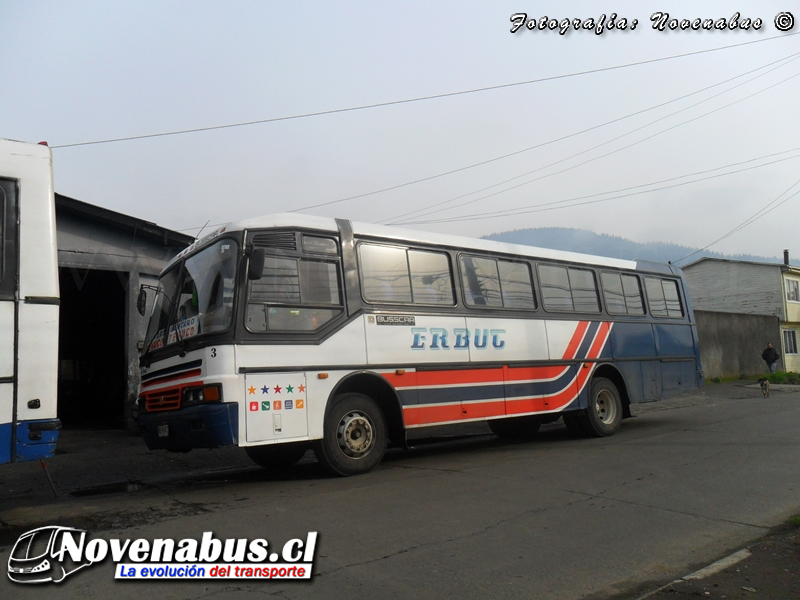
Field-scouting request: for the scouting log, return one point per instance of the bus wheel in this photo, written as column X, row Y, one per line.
column 519, row 428
column 604, row 414
column 354, row 437
column 277, row 456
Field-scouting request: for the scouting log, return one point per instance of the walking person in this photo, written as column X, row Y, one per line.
column 770, row 356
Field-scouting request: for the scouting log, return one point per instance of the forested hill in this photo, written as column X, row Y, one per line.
column 588, row 242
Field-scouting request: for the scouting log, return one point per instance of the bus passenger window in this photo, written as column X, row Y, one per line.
column 672, row 298
column 515, row 281
column 556, row 294
column 633, row 294
column 584, row 291
column 663, row 297
column 384, row 274
column 655, row 297
column 431, row 282
column 568, row 290
column 481, row 282
column 622, row 294
column 613, row 294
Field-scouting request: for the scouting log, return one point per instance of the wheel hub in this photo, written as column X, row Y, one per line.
column 355, row 434
column 605, row 407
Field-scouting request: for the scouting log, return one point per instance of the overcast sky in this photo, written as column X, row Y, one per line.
column 78, row 72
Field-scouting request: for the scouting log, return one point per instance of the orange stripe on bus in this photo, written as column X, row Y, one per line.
column 576, row 340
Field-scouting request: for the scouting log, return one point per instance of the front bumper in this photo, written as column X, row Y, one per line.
column 203, row 426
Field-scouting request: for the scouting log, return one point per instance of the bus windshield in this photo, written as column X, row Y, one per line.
column 196, row 297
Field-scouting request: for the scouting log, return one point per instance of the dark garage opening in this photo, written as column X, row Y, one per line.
column 92, row 377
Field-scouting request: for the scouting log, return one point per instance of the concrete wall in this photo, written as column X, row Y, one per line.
column 731, row 344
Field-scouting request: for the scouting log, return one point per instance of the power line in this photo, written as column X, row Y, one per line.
column 420, row 98
column 548, row 206
column 517, row 152
column 511, row 212
column 749, row 221
column 490, row 215
column 427, row 210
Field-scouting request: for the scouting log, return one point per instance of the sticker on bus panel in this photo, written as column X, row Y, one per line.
column 183, row 329
column 277, row 406
column 158, row 342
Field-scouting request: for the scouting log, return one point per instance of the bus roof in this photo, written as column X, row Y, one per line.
column 386, row 232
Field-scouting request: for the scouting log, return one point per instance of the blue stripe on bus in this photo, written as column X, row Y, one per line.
column 542, row 388
column 5, row 443
column 491, row 391
column 468, row 393
column 33, row 445
column 588, row 339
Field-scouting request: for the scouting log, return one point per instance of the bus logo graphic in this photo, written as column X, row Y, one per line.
column 39, row 557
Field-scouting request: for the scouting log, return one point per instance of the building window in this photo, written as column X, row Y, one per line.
column 790, row 341
column 792, row 290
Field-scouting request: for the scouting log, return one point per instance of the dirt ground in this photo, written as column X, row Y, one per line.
column 771, row 572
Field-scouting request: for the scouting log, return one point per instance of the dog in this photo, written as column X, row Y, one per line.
column 764, row 386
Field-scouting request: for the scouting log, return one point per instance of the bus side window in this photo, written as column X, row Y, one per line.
column 293, row 295
column 672, row 298
column 584, row 290
column 568, row 290
column 481, row 281
column 8, row 242
column 633, row 294
column 663, row 297
column 622, row 294
column 384, row 274
column 556, row 295
column 515, row 281
column 431, row 281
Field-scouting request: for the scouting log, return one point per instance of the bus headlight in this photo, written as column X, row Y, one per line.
column 202, row 394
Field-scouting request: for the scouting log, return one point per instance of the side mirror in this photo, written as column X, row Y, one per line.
column 255, row 267
column 141, row 301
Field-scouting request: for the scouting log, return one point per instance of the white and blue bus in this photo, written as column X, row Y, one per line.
column 29, row 303
column 288, row 332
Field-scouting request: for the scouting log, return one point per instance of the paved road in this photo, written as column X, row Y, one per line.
column 680, row 485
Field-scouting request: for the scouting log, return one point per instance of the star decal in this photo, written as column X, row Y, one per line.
column 251, row 390
column 289, row 389
column 265, row 390
column 301, row 389
column 277, row 389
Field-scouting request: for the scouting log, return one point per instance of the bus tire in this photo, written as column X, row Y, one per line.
column 515, row 428
column 277, row 456
column 604, row 413
column 354, row 436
